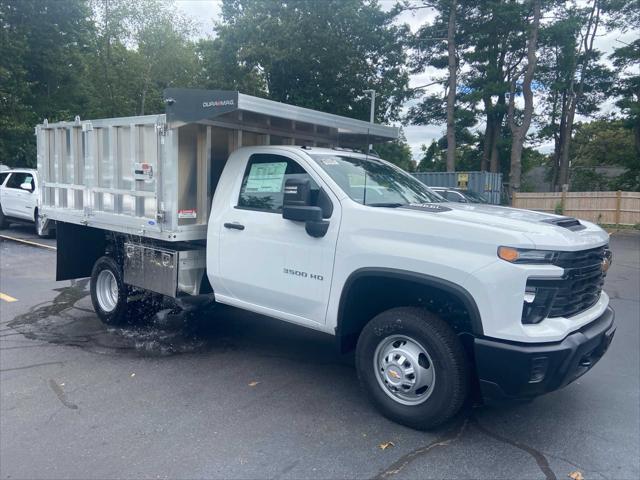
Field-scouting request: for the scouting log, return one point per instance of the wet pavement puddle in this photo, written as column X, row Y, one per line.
column 69, row 319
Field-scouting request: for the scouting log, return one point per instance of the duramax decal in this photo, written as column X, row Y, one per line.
column 217, row 103
column 298, row 273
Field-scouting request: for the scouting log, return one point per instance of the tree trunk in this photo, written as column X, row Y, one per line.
column 486, row 148
column 488, row 135
column 519, row 133
column 494, row 164
column 451, row 94
column 576, row 96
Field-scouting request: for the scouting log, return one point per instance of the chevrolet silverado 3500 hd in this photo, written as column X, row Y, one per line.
column 250, row 202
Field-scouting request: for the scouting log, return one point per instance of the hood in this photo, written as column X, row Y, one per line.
column 544, row 230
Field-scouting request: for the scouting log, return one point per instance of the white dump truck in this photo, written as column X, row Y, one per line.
column 267, row 207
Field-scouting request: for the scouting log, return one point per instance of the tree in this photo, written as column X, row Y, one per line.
column 604, row 143
column 451, row 94
column 321, row 55
column 584, row 58
column 432, row 50
column 497, row 47
column 519, row 132
column 141, row 48
column 43, row 48
column 626, row 59
column 430, row 158
column 220, row 69
column 397, row 152
column 167, row 54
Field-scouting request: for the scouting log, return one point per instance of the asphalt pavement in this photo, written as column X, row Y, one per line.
column 235, row 395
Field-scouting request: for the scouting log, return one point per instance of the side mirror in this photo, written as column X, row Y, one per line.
column 296, row 206
column 27, row 186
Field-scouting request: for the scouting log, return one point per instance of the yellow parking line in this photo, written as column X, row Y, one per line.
column 7, row 298
column 28, row 242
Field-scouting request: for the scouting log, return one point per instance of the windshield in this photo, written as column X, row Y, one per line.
column 370, row 181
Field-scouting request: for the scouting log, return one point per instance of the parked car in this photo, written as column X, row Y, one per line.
column 459, row 195
column 20, row 200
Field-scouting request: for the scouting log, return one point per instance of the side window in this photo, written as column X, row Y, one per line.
column 263, row 182
column 17, row 179
column 3, row 177
column 453, row 196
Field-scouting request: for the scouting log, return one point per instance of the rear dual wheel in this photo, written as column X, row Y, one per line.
column 413, row 367
column 109, row 293
column 115, row 302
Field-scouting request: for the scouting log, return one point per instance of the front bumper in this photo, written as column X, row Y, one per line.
column 513, row 370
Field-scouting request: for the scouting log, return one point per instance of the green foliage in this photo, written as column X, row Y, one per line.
column 320, row 55
column 397, row 152
column 559, row 209
column 604, row 143
column 42, row 52
column 109, row 58
column 431, row 159
column 106, row 58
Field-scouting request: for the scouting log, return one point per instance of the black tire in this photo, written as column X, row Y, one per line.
column 447, row 356
column 3, row 219
column 119, row 314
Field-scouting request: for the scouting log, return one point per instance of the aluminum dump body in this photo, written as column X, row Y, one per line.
column 154, row 176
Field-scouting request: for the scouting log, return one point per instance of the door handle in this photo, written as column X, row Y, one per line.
column 234, row 226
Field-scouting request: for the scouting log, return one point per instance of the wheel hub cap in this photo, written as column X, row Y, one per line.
column 107, row 291
column 404, row 369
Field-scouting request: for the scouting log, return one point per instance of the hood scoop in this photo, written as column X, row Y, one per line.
column 569, row 223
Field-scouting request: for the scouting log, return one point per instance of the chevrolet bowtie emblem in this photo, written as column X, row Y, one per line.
column 394, row 374
column 605, row 265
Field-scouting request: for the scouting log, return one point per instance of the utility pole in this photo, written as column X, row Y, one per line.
column 373, row 109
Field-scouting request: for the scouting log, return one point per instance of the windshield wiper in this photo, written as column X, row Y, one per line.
column 387, row 205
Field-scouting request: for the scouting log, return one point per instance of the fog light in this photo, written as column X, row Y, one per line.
column 539, row 367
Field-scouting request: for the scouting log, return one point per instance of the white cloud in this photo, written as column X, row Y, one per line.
column 204, row 13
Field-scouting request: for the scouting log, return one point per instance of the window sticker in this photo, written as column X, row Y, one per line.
column 356, row 180
column 266, row 177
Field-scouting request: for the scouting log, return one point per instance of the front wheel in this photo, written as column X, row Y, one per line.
column 413, row 366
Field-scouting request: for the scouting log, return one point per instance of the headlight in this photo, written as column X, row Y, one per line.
column 525, row 255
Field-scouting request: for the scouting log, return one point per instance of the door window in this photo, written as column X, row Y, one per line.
column 454, row 196
column 263, row 182
column 18, row 178
column 3, row 177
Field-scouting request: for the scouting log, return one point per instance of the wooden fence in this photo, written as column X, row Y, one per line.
column 615, row 208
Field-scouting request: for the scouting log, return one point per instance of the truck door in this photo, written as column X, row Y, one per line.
column 269, row 264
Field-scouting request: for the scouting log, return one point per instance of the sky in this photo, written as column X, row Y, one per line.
column 205, row 12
